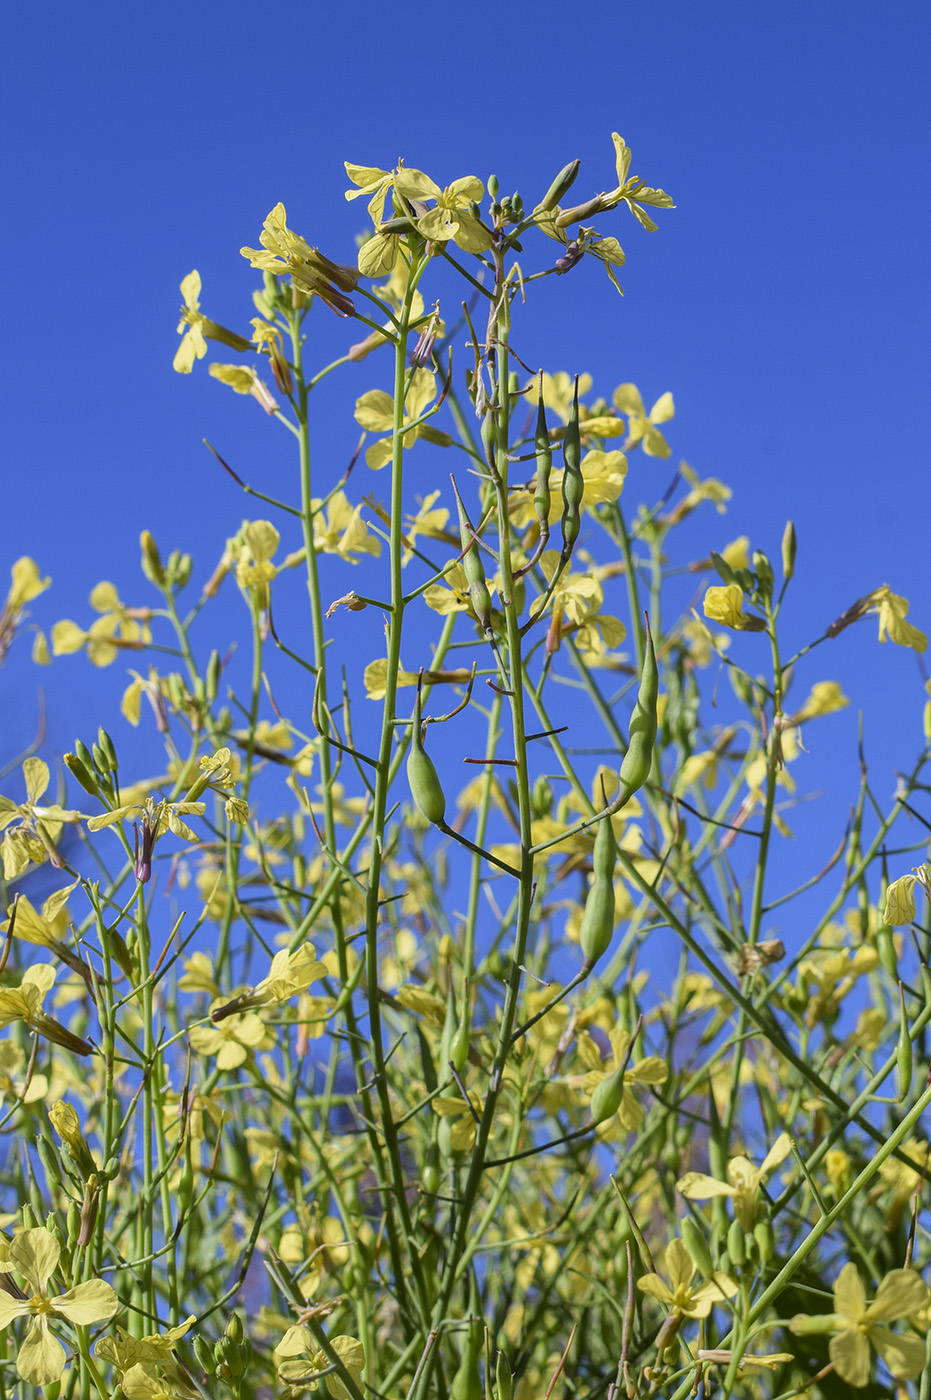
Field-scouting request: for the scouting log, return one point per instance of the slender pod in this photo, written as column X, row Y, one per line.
column 573, row 485
column 473, row 566
column 422, row 777
column 541, row 495
column 638, row 759
column 597, row 927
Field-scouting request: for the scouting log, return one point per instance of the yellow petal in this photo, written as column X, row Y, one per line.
column 850, row 1352
column 900, row 901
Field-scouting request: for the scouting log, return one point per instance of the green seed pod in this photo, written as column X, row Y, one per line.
column 213, row 676
column 422, row 777
column 467, row 1382
column 638, row 760
column 697, row 1246
column 903, row 1052
column 573, row 485
column 604, row 855
column 597, row 927
column 765, row 1242
column 561, row 185
column 77, row 770
column 490, row 437
column 789, row 544
column 430, row 1175
column 607, row 1096
column 504, row 1381
column 459, row 1046
column 106, row 743
column 541, row 495
column 736, row 1245
column 73, row 1222
column 473, row 567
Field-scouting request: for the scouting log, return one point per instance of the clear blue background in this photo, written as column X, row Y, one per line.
column 785, row 301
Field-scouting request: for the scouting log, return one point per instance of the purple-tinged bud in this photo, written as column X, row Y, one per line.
column 570, row 257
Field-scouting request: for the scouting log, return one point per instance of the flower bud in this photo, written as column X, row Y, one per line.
column 101, row 762
column 788, row 550
column 106, row 744
column 151, row 560
column 561, row 185
column 77, row 770
column 580, row 212
column 697, row 1246
column 570, row 257
column 493, row 186
column 764, row 570
column 736, row 1244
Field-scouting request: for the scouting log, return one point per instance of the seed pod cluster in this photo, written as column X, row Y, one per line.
column 573, row 485
column 422, row 777
column 597, row 927
column 638, row 759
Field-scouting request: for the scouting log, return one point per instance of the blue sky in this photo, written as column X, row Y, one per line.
column 785, row 301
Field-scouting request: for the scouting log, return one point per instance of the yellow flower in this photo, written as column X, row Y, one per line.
column 737, row 553
column 679, row 1293
column 26, row 584
column 708, row 490
column 284, row 251
column 900, row 898
column 37, row 826
column 832, row 974
column 743, row 1181
column 892, row 610
column 631, row 190
column 252, row 550
column 232, row 1039
column 375, row 678
column 197, row 329
column 825, row 698
column 464, row 1126
column 855, row 1324
column 118, row 627
column 124, row 1352
column 244, row 379
column 302, row 1360
column 641, row 426
column 651, row 1070
column 374, row 182
column 451, row 217
column 725, row 605
column 342, row 530
column 374, row 411
column 34, row 1255
column 12, row 1064
column 559, row 390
